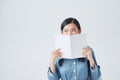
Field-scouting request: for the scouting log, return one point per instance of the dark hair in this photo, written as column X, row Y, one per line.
column 70, row 20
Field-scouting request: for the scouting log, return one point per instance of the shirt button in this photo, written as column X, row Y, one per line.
column 73, row 62
column 74, row 70
column 74, row 77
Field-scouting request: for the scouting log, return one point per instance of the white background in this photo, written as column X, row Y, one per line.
column 27, row 29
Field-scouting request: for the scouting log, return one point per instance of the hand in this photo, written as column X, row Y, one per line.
column 54, row 55
column 87, row 52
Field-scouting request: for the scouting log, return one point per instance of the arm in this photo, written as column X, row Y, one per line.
column 95, row 72
column 54, row 75
column 94, row 69
column 53, row 72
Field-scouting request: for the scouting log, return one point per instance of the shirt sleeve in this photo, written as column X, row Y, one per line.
column 55, row 75
column 95, row 73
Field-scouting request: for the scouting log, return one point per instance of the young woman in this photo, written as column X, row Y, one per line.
column 85, row 68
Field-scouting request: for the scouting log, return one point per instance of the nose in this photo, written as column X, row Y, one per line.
column 70, row 33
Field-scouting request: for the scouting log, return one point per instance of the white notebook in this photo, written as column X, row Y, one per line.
column 71, row 45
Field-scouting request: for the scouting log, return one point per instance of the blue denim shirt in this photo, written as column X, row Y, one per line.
column 74, row 69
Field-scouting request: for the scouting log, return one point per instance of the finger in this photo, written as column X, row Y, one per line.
column 84, row 51
column 84, row 55
column 85, row 47
column 58, row 49
column 59, row 53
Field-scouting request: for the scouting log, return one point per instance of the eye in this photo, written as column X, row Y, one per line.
column 65, row 31
column 73, row 29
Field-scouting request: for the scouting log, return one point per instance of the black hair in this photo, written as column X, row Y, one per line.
column 70, row 20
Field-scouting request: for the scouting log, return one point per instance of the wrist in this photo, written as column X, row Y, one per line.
column 92, row 63
column 89, row 57
column 52, row 68
column 52, row 61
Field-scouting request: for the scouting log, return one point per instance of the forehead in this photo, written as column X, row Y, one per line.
column 70, row 26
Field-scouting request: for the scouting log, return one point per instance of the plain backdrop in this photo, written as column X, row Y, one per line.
column 27, row 29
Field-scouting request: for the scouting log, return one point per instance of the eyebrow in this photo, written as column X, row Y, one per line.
column 67, row 29
column 73, row 28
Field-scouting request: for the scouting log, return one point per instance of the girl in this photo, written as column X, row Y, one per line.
column 85, row 68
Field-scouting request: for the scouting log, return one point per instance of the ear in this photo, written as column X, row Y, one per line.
column 61, row 32
column 79, row 31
